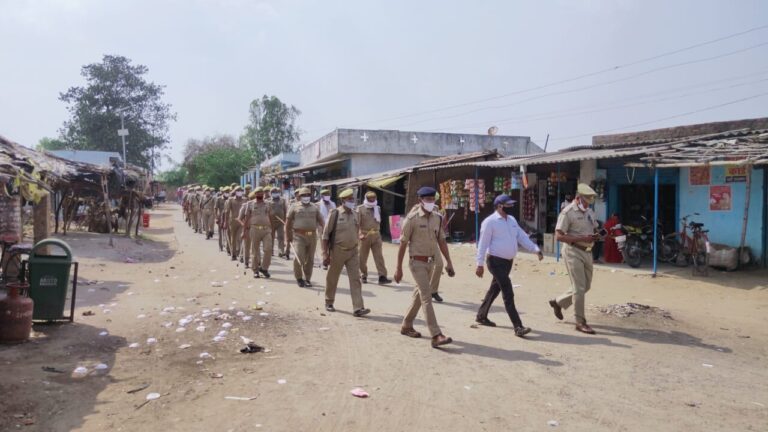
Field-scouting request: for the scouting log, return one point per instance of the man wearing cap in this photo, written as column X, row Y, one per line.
column 295, row 200
column 369, row 214
column 301, row 226
column 340, row 242
column 245, row 239
column 422, row 238
column 194, row 209
column 500, row 236
column 576, row 228
column 326, row 205
column 256, row 221
column 232, row 211
column 207, row 205
column 221, row 199
column 279, row 209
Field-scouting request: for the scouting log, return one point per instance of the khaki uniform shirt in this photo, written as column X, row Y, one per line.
column 219, row 204
column 573, row 221
column 232, row 208
column 305, row 217
column 257, row 213
column 421, row 230
column 347, row 226
column 279, row 209
column 194, row 201
column 367, row 221
column 207, row 203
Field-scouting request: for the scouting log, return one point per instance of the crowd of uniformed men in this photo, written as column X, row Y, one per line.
column 250, row 222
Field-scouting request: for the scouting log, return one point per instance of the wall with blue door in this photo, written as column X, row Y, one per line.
column 725, row 225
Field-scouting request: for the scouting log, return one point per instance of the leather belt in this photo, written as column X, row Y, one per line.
column 305, row 232
column 500, row 258
column 426, row 259
column 584, row 248
column 261, row 226
column 346, row 249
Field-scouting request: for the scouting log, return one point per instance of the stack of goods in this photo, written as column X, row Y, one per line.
column 481, row 198
column 446, row 197
column 502, row 185
column 529, row 204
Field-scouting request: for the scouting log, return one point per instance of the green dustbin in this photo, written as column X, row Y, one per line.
column 49, row 280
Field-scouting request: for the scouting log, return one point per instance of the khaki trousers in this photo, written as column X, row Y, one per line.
column 195, row 216
column 208, row 221
column 437, row 273
column 261, row 238
column 223, row 238
column 351, row 260
column 235, row 232
column 579, row 265
column 245, row 248
column 304, row 255
column 422, row 297
column 278, row 232
column 372, row 243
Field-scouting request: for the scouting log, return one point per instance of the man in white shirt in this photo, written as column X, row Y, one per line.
column 500, row 236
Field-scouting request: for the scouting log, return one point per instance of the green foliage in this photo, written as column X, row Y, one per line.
column 111, row 85
column 271, row 128
column 50, row 144
column 215, row 161
column 177, row 176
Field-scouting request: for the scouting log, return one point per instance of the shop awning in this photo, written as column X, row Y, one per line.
column 313, row 166
column 383, row 182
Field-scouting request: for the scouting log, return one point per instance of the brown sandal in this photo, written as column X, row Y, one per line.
column 410, row 332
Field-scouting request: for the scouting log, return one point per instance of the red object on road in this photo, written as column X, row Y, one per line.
column 15, row 315
column 145, row 220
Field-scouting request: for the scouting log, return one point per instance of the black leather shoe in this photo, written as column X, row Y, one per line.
column 522, row 331
column 265, row 273
column 485, row 322
column 364, row 279
column 361, row 312
column 330, row 308
column 436, row 297
column 556, row 309
column 301, row 282
column 383, row 280
column 308, row 284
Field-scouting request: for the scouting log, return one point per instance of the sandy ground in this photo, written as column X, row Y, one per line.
column 702, row 370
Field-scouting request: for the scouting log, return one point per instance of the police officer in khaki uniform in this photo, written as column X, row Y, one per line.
column 340, row 243
column 291, row 203
column 437, row 271
column 231, row 211
column 576, row 228
column 207, row 205
column 245, row 241
column 301, row 225
column 256, row 220
column 194, row 206
column 279, row 209
column 422, row 238
column 218, row 206
column 369, row 214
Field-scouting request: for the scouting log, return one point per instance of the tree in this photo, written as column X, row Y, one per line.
column 271, row 128
column 112, row 85
column 175, row 177
column 50, row 144
column 215, row 161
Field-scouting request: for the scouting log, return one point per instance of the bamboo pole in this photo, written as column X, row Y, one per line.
column 746, row 213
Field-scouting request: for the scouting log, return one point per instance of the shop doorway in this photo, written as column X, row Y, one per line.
column 636, row 202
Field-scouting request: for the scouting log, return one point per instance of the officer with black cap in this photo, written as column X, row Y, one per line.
column 422, row 238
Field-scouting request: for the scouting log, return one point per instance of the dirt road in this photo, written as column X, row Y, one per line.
column 702, row 370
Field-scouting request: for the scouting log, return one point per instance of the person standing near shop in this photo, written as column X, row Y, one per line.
column 422, row 239
column 340, row 244
column 279, row 209
column 500, row 236
column 301, row 227
column 256, row 221
column 369, row 214
column 232, row 211
column 575, row 228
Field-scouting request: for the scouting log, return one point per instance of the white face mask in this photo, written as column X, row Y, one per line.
column 238, row 194
column 428, row 206
column 326, row 198
column 349, row 204
column 305, row 200
column 275, row 195
column 370, row 204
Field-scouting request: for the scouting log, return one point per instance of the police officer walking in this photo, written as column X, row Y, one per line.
column 232, row 211
column 340, row 243
column 576, row 227
column 369, row 214
column 207, row 205
column 423, row 240
column 301, row 227
column 279, row 210
column 256, row 221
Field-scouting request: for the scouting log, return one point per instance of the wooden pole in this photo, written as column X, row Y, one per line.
column 746, row 212
column 41, row 217
column 107, row 208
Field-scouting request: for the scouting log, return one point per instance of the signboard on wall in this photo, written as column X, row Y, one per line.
column 720, row 198
column 735, row 173
column 395, row 228
column 699, row 176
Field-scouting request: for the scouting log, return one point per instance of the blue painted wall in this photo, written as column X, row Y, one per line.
column 725, row 226
column 618, row 175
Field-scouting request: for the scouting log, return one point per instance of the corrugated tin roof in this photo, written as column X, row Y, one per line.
column 100, row 158
column 309, row 167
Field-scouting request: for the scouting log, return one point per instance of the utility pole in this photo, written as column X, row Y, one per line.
column 123, row 132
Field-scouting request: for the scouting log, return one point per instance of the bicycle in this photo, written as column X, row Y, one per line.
column 693, row 248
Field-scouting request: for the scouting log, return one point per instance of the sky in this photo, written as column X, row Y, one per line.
column 568, row 69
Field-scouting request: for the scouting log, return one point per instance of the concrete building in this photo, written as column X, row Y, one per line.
column 357, row 152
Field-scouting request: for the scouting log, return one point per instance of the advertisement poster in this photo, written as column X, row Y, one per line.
column 720, row 198
column 395, row 229
column 699, row 176
column 735, row 174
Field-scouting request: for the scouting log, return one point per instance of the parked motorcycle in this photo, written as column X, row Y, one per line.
column 636, row 243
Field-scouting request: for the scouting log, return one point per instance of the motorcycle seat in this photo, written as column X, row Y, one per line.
column 696, row 225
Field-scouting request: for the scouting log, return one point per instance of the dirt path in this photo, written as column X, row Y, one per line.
column 702, row 370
